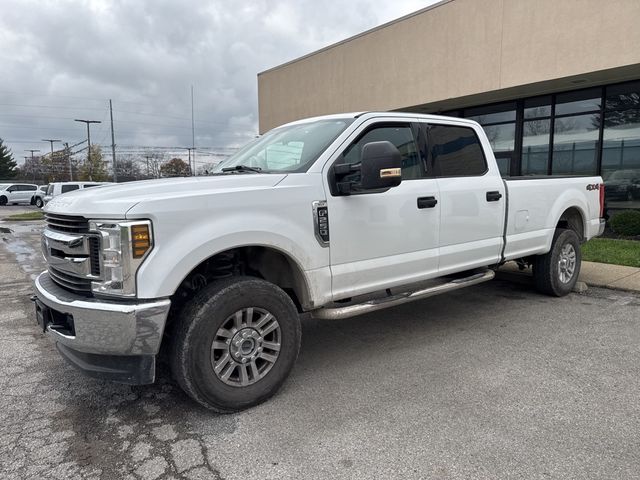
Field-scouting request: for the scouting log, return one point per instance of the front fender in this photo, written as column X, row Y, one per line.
column 183, row 240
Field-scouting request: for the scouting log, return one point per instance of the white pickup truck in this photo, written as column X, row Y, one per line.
column 336, row 216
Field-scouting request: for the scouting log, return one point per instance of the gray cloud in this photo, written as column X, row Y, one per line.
column 63, row 60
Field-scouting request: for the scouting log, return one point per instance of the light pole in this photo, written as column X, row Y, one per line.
column 88, row 122
column 51, row 142
column 25, row 158
column 194, row 154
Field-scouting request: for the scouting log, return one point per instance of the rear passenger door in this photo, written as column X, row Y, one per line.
column 21, row 194
column 28, row 191
column 472, row 198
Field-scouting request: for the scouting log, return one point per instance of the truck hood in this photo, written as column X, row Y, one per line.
column 115, row 200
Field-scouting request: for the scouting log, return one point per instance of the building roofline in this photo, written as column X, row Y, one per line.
column 362, row 34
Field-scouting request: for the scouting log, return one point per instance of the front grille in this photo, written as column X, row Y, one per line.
column 74, row 225
column 66, row 223
column 70, row 282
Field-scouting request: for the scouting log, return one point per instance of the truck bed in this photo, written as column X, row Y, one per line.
column 535, row 203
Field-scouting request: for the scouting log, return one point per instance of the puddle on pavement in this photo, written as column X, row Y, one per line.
column 26, row 255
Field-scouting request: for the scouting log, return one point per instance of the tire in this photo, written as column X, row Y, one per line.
column 39, row 202
column 208, row 329
column 556, row 272
column 3, row 200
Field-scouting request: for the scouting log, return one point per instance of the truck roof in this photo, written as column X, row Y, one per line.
column 375, row 114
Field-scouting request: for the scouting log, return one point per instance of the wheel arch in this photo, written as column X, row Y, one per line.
column 263, row 261
column 573, row 218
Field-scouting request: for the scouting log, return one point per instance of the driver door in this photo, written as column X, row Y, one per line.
column 388, row 238
column 13, row 194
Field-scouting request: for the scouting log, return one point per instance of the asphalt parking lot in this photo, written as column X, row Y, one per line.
column 494, row 381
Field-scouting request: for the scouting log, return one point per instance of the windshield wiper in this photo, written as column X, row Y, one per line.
column 242, row 168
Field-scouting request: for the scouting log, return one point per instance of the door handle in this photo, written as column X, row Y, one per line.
column 493, row 196
column 427, row 202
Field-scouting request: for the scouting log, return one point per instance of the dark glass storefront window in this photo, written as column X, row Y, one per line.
column 621, row 146
column 497, row 113
column 509, row 116
column 575, row 142
column 578, row 102
column 622, row 97
column 582, row 132
column 535, row 147
column 499, row 123
column 537, row 107
column 501, row 137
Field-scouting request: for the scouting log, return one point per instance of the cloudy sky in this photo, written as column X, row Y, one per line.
column 62, row 60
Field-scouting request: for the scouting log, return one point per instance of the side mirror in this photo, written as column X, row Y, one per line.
column 380, row 166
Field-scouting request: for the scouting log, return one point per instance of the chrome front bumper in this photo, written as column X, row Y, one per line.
column 104, row 327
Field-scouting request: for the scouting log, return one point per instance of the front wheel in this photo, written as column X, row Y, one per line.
column 39, row 202
column 235, row 343
column 3, row 200
column 556, row 272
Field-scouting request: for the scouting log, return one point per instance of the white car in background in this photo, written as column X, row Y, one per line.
column 58, row 188
column 38, row 197
column 14, row 193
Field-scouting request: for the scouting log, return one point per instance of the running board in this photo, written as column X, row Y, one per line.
column 378, row 304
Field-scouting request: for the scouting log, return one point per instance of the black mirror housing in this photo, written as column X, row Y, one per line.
column 379, row 169
column 380, row 166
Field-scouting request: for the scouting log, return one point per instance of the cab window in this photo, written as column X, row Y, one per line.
column 400, row 135
column 69, row 188
column 456, row 151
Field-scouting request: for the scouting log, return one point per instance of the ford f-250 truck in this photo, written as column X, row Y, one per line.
column 336, row 216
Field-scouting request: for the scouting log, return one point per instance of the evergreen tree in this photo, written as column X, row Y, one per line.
column 7, row 163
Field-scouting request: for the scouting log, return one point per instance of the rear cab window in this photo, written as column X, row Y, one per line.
column 69, row 188
column 455, row 151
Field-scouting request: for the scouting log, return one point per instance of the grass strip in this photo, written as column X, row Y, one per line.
column 608, row 250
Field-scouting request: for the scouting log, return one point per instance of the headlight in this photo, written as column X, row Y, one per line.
column 123, row 247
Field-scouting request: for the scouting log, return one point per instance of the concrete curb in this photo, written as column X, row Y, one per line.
column 616, row 277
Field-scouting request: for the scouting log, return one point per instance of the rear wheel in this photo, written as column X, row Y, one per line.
column 235, row 343
column 556, row 272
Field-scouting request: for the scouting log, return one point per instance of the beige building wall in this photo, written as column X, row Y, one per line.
column 459, row 53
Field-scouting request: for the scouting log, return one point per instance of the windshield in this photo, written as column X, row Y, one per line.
column 3, row 186
column 288, row 149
